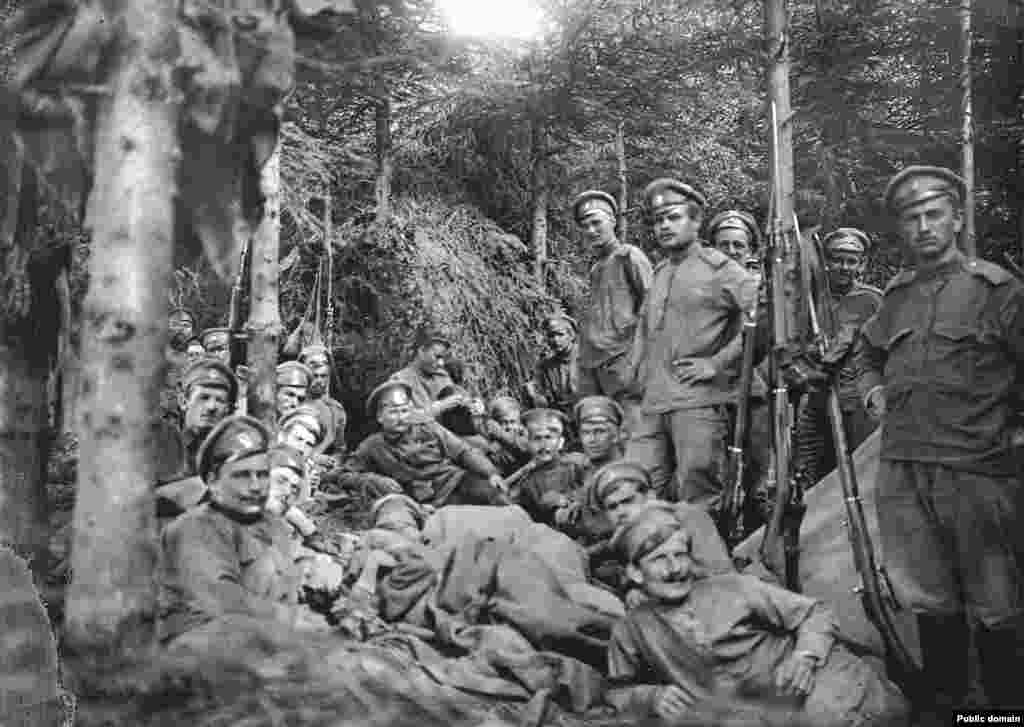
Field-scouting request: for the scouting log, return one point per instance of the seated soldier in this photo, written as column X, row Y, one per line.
column 548, row 491
column 427, row 375
column 293, row 380
column 317, row 358
column 194, row 349
column 506, row 437
column 224, row 559
column 599, row 421
column 700, row 642
column 414, row 454
column 555, row 383
column 208, row 392
column 216, row 342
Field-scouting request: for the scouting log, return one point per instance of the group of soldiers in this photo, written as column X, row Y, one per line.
column 646, row 386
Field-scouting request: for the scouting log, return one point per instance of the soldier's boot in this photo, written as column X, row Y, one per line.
column 1001, row 653
column 945, row 639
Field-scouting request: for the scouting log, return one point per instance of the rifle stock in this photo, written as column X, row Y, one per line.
column 735, row 494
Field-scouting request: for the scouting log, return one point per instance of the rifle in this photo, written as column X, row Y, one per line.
column 735, row 493
column 787, row 514
column 875, row 590
column 237, row 317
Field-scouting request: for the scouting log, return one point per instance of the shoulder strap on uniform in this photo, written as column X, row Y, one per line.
column 902, row 278
column 715, row 258
column 990, row 271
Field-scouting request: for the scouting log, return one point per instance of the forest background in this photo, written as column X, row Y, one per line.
column 449, row 162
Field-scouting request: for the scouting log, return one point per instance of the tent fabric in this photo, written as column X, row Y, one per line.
column 826, row 560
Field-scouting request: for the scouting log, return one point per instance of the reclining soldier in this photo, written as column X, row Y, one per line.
column 701, row 646
column 412, row 453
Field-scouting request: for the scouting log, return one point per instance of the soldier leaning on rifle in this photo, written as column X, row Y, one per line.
column 686, row 351
column 942, row 361
column 735, row 233
column 619, row 280
column 852, row 303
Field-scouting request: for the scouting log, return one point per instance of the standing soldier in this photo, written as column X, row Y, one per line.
column 687, row 346
column 619, row 281
column 852, row 303
column 942, row 361
column 317, row 358
column 555, row 384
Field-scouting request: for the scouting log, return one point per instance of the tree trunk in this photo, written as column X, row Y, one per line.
column 111, row 599
column 620, row 154
column 777, row 32
column 264, row 311
column 539, row 227
column 382, row 188
column 967, row 128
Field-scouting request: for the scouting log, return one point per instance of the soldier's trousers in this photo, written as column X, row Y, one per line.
column 612, row 379
column 953, row 539
column 684, row 453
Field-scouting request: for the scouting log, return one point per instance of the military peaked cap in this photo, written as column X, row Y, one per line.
column 212, row 372
column 670, row 192
column 613, row 473
column 374, row 399
column 594, row 200
column 646, row 531
column 602, row 408
column 211, row 334
column 847, row 239
column 293, row 373
column 308, row 416
column 234, row 438
column 186, row 311
column 917, row 184
column 542, row 416
column 315, row 352
column 737, row 220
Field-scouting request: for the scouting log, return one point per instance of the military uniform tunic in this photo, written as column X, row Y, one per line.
column 618, row 285
column 948, row 346
column 556, row 381
column 693, row 310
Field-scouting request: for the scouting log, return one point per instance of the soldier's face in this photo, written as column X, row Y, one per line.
column 560, row 338
column 734, row 243
column 195, row 351
column 289, row 398
column 930, row 229
column 181, row 328
column 431, row 358
column 320, row 383
column 284, row 486
column 599, row 439
column 205, row 407
column 844, row 267
column 677, row 227
column 544, row 441
column 299, row 438
column 598, row 229
column 394, row 411
column 510, row 422
column 217, row 347
column 623, row 501
column 666, row 573
column 242, row 487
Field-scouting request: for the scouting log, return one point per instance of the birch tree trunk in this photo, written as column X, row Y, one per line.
column 777, row 33
column 111, row 599
column 620, row 155
column 264, row 312
column 541, row 193
column 968, row 236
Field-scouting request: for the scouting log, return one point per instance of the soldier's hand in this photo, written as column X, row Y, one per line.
column 672, row 702
column 875, row 403
column 796, row 675
column 689, row 370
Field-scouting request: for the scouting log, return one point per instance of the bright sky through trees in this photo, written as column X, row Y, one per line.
column 514, row 19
